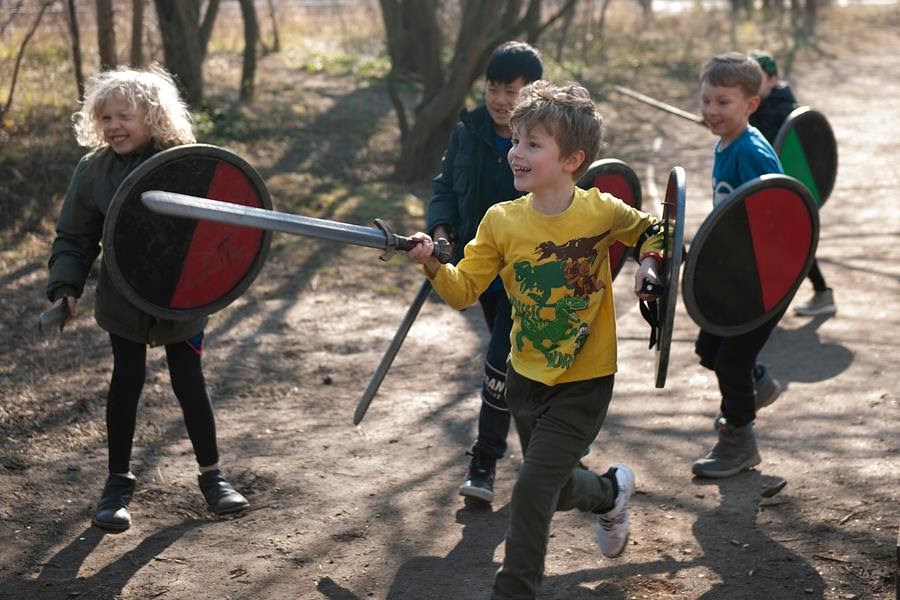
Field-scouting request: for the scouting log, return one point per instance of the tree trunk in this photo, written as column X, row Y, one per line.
column 251, row 41
column 209, row 20
column 276, row 40
column 415, row 48
column 106, row 35
column 75, row 38
column 137, row 32
column 809, row 17
column 181, row 39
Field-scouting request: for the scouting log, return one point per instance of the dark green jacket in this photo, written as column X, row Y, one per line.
column 79, row 231
column 473, row 177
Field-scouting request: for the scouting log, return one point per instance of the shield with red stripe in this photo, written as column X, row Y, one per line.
column 175, row 268
column 750, row 255
column 617, row 178
column 807, row 150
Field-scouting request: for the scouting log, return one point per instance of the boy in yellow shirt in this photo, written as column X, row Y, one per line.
column 550, row 248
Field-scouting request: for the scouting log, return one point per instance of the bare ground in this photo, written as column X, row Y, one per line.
column 343, row 512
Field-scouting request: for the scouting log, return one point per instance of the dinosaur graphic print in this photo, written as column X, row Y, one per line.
column 568, row 273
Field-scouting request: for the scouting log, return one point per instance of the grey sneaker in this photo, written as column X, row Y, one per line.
column 821, row 303
column 767, row 387
column 613, row 526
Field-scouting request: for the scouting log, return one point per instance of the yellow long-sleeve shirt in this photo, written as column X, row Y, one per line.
column 555, row 269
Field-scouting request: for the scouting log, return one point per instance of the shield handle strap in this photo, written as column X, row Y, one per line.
column 650, row 309
column 394, row 242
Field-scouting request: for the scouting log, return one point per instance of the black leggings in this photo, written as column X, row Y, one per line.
column 815, row 276
column 186, row 374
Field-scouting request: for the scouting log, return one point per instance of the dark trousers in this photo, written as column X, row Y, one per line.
column 733, row 359
column 815, row 276
column 186, row 374
column 493, row 418
column 555, row 424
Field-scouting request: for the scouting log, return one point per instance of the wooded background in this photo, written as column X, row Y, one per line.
column 436, row 50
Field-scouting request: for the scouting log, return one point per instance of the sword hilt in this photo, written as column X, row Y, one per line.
column 54, row 317
column 442, row 250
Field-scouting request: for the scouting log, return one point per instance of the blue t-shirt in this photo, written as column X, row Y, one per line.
column 745, row 158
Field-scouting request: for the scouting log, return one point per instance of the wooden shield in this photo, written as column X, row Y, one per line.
column 617, row 178
column 175, row 268
column 673, row 244
column 750, row 255
column 807, row 149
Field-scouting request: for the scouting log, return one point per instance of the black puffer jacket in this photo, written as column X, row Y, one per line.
column 474, row 176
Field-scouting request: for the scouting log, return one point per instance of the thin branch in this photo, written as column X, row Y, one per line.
column 13, row 13
column 25, row 40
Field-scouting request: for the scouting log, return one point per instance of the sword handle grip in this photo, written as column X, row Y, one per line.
column 442, row 250
column 54, row 317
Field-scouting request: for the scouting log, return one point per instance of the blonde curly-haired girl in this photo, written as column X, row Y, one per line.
column 128, row 116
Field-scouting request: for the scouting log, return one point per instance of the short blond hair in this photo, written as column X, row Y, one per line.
column 153, row 89
column 567, row 113
column 733, row 69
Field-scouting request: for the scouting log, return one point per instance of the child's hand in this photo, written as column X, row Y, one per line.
column 647, row 271
column 423, row 252
column 441, row 232
column 72, row 304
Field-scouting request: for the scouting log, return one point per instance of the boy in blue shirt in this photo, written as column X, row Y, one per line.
column 474, row 176
column 729, row 94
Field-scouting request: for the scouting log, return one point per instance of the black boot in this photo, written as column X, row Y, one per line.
column 221, row 497
column 112, row 509
column 479, row 483
column 734, row 452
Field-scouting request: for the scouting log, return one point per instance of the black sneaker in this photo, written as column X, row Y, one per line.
column 221, row 497
column 479, row 483
column 112, row 509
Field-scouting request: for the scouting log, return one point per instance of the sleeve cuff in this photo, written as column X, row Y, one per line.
column 656, row 255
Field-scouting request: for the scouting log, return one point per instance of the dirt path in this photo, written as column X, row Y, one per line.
column 346, row 513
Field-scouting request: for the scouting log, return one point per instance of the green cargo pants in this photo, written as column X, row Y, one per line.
column 555, row 425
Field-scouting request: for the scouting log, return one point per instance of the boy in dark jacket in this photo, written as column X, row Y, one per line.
column 778, row 102
column 474, row 176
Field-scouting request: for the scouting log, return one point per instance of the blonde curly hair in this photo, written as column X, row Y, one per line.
column 153, row 89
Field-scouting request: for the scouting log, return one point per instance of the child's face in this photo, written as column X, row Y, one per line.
column 726, row 110
column 124, row 129
column 500, row 99
column 536, row 162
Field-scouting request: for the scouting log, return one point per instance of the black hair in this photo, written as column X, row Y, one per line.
column 512, row 60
